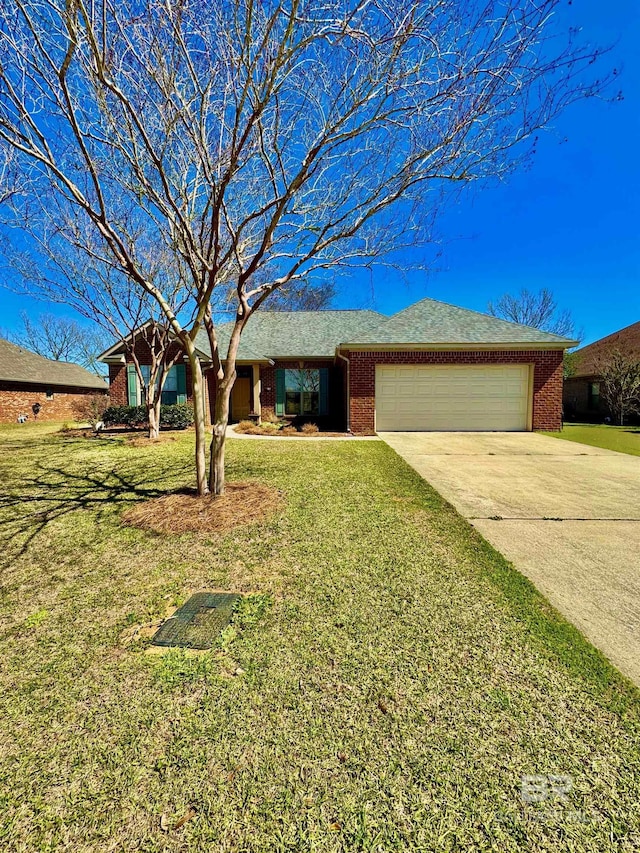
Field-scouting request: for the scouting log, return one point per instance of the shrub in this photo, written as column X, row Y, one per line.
column 178, row 416
column 244, row 426
column 289, row 430
column 309, row 428
column 125, row 415
column 91, row 408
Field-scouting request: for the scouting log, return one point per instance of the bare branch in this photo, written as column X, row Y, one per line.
column 261, row 147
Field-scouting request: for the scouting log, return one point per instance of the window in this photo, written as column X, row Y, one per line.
column 594, row 395
column 173, row 391
column 145, row 369
column 301, row 392
column 49, row 394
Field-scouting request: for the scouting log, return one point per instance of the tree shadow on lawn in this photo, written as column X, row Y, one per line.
column 54, row 492
column 46, row 493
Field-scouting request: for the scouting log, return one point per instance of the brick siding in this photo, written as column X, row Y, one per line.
column 547, row 380
column 118, row 385
column 18, row 399
column 268, row 392
column 547, row 392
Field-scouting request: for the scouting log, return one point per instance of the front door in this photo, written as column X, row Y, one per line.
column 241, row 399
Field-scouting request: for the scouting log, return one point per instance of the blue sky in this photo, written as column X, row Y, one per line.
column 570, row 222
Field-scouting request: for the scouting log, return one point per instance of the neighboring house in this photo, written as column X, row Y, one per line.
column 57, row 387
column 582, row 390
column 432, row 366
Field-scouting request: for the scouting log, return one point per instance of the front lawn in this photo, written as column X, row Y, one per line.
column 389, row 694
column 623, row 439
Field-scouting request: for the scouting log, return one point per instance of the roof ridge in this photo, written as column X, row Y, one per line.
column 264, row 311
column 19, row 364
column 478, row 314
column 607, row 337
column 30, row 352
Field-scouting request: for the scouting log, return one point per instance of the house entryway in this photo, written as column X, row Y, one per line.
column 241, row 395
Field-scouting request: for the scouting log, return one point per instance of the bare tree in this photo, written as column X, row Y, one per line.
column 61, row 339
column 620, row 384
column 91, row 409
column 156, row 340
column 299, row 297
column 538, row 310
column 120, row 314
column 303, row 298
column 264, row 143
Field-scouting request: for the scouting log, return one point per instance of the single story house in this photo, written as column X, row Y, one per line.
column 581, row 395
column 432, row 366
column 30, row 383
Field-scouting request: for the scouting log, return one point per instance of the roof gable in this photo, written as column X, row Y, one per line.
column 432, row 322
column 116, row 353
column 21, row 365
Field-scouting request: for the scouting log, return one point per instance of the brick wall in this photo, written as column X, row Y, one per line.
column 579, row 406
column 577, row 403
column 547, row 380
column 17, row 399
column 118, row 385
column 268, row 392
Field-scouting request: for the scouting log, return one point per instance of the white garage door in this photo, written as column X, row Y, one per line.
column 452, row 397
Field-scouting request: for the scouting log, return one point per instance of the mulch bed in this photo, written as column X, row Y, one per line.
column 80, row 432
column 133, row 437
column 289, row 433
column 145, row 441
column 186, row 512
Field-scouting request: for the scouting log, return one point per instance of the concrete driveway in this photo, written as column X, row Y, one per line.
column 567, row 515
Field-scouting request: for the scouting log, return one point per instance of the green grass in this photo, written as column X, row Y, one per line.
column 623, row 439
column 386, row 689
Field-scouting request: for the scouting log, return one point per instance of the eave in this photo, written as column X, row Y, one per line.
column 509, row 346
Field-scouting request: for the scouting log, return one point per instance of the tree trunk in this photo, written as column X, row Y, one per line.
column 153, row 417
column 221, row 419
column 199, row 423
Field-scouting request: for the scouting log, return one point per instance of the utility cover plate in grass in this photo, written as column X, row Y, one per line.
column 198, row 622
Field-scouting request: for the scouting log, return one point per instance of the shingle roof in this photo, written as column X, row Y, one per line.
column 289, row 334
column 626, row 340
column 21, row 365
column 433, row 322
column 317, row 334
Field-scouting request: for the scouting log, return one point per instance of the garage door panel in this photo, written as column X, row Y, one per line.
column 452, row 397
